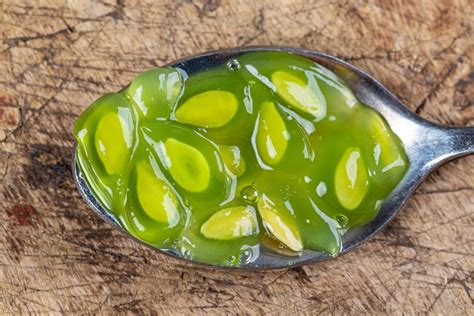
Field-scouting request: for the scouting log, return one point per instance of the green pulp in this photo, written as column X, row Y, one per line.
column 268, row 150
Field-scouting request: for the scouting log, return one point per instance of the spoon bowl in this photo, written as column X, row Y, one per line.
column 426, row 144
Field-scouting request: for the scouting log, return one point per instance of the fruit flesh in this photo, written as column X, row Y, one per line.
column 275, row 152
column 153, row 92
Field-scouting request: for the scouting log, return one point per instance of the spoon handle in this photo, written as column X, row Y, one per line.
column 444, row 143
column 462, row 140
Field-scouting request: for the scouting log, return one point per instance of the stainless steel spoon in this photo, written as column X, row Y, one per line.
column 427, row 145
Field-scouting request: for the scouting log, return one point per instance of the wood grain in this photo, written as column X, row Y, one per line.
column 56, row 57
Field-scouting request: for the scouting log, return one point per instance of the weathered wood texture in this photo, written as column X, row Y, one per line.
column 58, row 56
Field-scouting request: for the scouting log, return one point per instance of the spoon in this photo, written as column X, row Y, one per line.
column 427, row 146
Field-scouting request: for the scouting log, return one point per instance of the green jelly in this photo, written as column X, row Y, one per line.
column 154, row 92
column 266, row 151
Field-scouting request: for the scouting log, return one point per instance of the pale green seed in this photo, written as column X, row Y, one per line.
column 385, row 151
column 351, row 183
column 155, row 196
column 272, row 135
column 111, row 137
column 279, row 224
column 232, row 159
column 213, row 108
column 298, row 94
column 188, row 166
column 231, row 223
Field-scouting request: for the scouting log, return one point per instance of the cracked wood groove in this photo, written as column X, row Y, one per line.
column 56, row 57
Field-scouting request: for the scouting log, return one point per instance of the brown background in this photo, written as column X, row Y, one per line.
column 58, row 56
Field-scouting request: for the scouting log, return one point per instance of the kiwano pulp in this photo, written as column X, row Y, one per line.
column 268, row 150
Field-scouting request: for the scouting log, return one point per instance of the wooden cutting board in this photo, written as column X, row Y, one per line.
column 56, row 57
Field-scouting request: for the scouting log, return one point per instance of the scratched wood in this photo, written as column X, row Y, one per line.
column 56, row 57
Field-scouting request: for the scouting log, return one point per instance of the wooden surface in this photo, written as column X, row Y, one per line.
column 56, row 57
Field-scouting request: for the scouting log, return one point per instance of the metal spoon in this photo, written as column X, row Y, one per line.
column 427, row 145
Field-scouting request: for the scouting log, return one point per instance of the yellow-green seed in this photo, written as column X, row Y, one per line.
column 272, row 135
column 298, row 93
column 213, row 108
column 188, row 166
column 232, row 159
column 385, row 151
column 351, row 182
column 155, row 196
column 231, row 223
column 111, row 143
column 279, row 224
